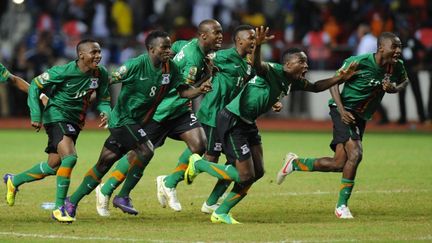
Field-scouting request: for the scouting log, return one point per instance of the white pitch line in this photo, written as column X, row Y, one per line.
column 421, row 238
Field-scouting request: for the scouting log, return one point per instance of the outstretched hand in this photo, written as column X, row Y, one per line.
column 277, row 107
column 389, row 87
column 36, row 125
column 347, row 73
column 206, row 86
column 262, row 35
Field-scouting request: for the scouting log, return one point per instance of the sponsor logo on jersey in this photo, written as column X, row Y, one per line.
column 165, row 78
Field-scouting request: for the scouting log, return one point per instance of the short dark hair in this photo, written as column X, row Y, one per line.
column 289, row 52
column 205, row 25
column 153, row 35
column 241, row 28
column 385, row 36
column 84, row 41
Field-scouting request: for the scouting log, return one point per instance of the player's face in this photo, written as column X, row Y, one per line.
column 214, row 36
column 391, row 49
column 297, row 65
column 246, row 41
column 161, row 49
column 90, row 55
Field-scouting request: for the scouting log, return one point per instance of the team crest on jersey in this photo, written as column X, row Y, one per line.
column 249, row 69
column 94, row 83
column 165, row 78
column 192, row 73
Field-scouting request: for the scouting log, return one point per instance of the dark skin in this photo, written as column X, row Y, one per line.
column 295, row 67
column 89, row 56
column 159, row 53
column 244, row 44
column 348, row 156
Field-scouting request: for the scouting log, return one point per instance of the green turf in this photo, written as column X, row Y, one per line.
column 392, row 199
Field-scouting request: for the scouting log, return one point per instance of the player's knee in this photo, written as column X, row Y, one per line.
column 198, row 147
column 355, row 156
column 259, row 174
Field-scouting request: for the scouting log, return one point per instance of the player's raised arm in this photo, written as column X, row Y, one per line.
column 261, row 37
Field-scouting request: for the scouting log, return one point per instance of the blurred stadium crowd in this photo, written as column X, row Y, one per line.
column 36, row 34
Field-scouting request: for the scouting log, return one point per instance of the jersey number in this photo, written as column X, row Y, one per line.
column 152, row 91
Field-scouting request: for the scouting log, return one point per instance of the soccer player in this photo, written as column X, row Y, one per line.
column 63, row 118
column 234, row 69
column 173, row 118
column 5, row 76
column 378, row 73
column 145, row 80
column 237, row 128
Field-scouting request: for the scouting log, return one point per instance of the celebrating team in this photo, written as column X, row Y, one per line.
column 154, row 103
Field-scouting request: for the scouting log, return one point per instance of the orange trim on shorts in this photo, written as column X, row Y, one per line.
column 64, row 171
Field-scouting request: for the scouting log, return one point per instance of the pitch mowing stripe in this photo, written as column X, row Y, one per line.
column 421, row 238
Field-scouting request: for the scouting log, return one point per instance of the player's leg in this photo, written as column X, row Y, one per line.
column 354, row 153
column 130, row 169
column 144, row 153
column 341, row 133
column 189, row 130
column 38, row 171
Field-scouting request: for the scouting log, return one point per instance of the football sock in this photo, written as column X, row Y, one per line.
column 219, row 189
column 117, row 176
column 304, row 164
column 234, row 197
column 174, row 178
column 222, row 172
column 37, row 172
column 63, row 178
column 89, row 183
column 134, row 174
column 345, row 191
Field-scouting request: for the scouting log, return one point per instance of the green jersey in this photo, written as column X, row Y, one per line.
column 233, row 72
column 4, row 74
column 190, row 60
column 363, row 92
column 143, row 88
column 261, row 93
column 71, row 92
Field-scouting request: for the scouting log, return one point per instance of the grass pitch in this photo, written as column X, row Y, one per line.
column 391, row 201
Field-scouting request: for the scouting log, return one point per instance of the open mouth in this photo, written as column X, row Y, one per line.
column 303, row 74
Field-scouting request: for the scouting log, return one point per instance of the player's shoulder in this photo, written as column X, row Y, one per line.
column 360, row 58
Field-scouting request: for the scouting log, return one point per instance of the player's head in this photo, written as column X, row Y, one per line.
column 158, row 44
column 210, row 35
column 389, row 47
column 89, row 53
column 244, row 38
column 295, row 63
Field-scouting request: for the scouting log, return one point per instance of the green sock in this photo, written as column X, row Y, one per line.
column 234, row 197
column 174, row 178
column 37, row 172
column 219, row 189
column 89, row 183
column 345, row 191
column 304, row 164
column 222, row 172
column 133, row 176
column 63, row 178
column 116, row 177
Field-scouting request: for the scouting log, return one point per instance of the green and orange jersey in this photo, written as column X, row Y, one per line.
column 143, row 88
column 4, row 74
column 190, row 60
column 233, row 73
column 262, row 92
column 363, row 92
column 71, row 90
